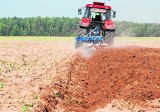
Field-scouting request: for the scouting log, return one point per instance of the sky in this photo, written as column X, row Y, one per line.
column 141, row 11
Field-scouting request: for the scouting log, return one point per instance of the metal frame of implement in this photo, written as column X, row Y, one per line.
column 89, row 38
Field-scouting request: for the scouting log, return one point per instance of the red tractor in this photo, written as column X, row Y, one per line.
column 96, row 26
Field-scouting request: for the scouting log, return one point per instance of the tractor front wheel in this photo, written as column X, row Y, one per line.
column 77, row 44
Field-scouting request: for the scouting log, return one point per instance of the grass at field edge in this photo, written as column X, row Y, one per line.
column 34, row 38
column 71, row 39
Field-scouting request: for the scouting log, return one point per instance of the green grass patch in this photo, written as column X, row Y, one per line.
column 1, row 85
column 24, row 108
column 37, row 39
column 1, row 64
column 35, row 96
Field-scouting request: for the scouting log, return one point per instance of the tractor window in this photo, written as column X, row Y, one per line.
column 96, row 16
column 108, row 15
column 86, row 13
column 100, row 16
column 103, row 16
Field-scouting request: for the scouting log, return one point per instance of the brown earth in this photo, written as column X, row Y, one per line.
column 53, row 77
column 130, row 75
column 24, row 67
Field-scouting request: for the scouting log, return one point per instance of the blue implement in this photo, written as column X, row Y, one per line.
column 89, row 38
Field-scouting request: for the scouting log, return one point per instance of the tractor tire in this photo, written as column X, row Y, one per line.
column 80, row 33
column 109, row 38
column 77, row 44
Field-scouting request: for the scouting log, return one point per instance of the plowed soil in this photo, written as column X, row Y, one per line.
column 130, row 75
column 54, row 77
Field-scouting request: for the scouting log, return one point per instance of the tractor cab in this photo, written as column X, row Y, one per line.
column 97, row 12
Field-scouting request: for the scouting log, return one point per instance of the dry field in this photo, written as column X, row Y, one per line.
column 48, row 74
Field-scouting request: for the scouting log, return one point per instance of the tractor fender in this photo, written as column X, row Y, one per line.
column 109, row 25
column 85, row 22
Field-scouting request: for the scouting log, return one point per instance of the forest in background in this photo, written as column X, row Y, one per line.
column 56, row 26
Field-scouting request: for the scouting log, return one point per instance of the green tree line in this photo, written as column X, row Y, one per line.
column 56, row 26
column 137, row 29
column 48, row 26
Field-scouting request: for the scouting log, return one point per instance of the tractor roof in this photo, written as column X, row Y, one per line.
column 99, row 5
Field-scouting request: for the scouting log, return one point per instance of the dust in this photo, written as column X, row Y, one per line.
column 122, row 42
column 147, row 42
column 87, row 52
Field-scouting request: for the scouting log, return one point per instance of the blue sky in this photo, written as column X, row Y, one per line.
column 142, row 11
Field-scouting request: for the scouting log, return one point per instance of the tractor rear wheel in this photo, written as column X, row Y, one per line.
column 80, row 33
column 109, row 38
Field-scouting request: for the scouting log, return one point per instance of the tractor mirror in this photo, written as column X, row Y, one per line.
column 79, row 11
column 114, row 14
